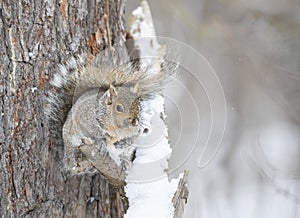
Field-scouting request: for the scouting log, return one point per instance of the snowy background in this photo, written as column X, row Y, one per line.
column 254, row 48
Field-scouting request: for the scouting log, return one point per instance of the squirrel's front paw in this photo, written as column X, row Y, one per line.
column 127, row 157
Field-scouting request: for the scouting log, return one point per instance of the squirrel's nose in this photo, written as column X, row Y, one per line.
column 135, row 121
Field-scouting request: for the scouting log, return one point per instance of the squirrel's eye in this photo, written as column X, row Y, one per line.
column 120, row 108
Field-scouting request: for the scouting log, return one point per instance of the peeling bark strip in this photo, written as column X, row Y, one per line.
column 147, row 44
column 34, row 37
column 180, row 197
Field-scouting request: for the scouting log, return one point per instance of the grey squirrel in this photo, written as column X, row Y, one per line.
column 96, row 104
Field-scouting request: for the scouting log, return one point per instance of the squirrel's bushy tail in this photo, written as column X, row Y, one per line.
column 116, row 68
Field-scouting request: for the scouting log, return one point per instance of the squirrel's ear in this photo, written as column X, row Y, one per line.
column 110, row 95
column 136, row 88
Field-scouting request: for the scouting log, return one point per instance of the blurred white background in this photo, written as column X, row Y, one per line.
column 254, row 47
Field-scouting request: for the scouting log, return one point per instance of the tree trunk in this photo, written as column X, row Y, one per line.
column 35, row 37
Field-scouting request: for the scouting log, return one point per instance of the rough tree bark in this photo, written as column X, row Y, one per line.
column 35, row 37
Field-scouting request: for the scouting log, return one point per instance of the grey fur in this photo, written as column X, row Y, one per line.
column 76, row 104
